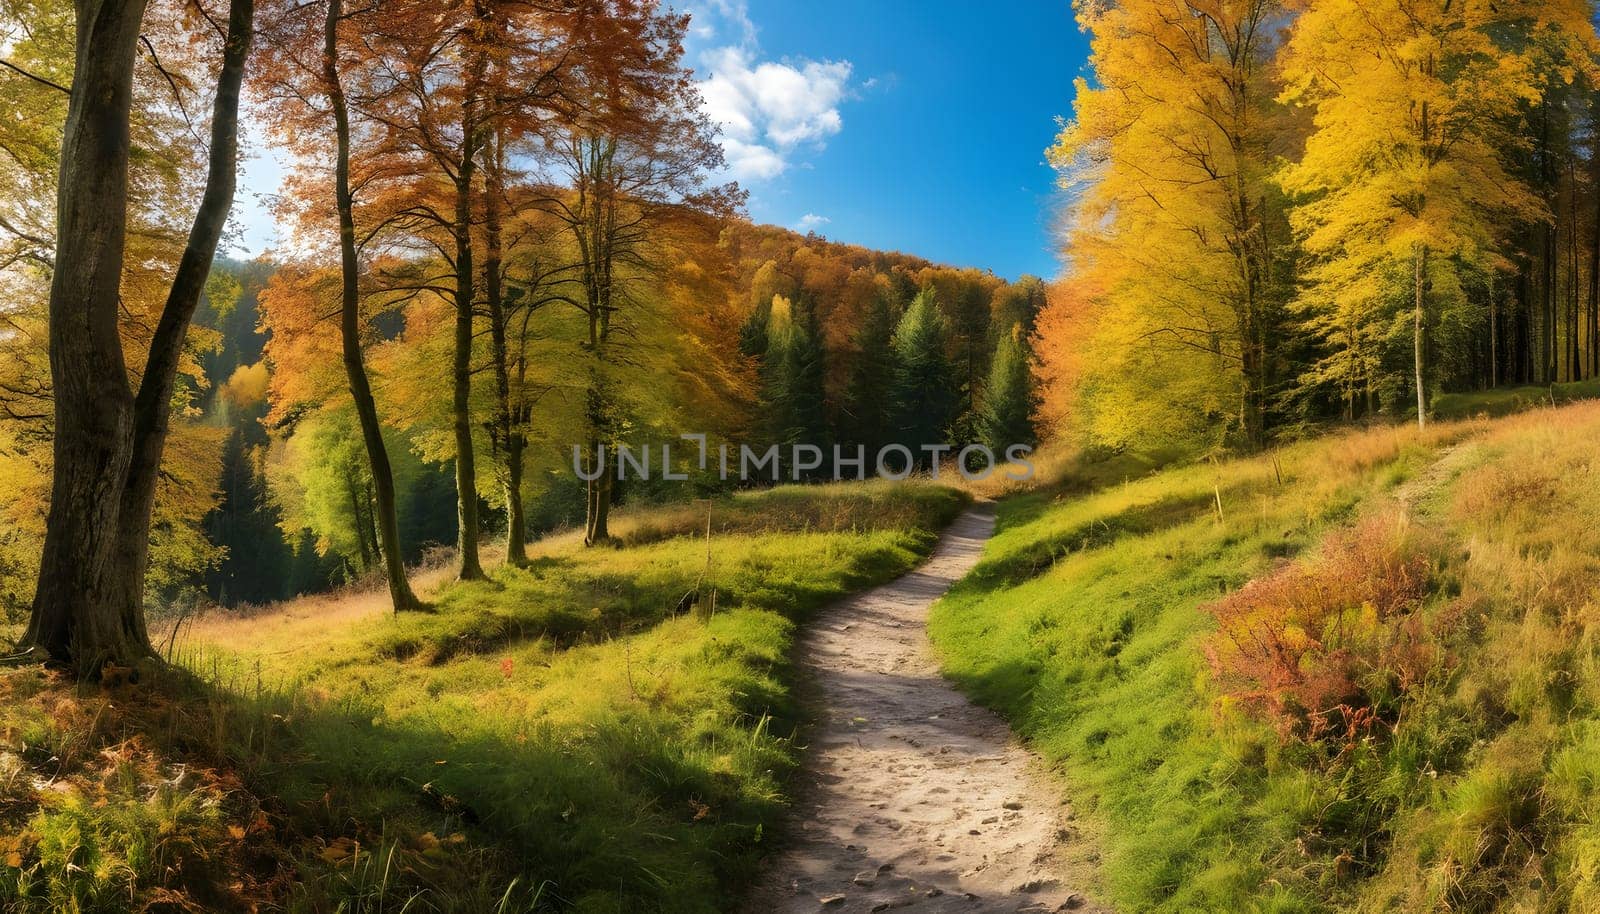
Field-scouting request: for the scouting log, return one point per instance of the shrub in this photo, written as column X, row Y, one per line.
column 1323, row 649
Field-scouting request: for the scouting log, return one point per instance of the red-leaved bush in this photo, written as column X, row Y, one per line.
column 1319, row 647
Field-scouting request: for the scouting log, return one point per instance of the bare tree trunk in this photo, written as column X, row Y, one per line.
column 461, row 369
column 1494, row 332
column 598, row 494
column 1549, row 299
column 1574, row 369
column 1252, row 359
column 1421, row 289
column 508, row 429
column 350, row 330
column 75, row 618
column 1594, row 259
column 153, row 405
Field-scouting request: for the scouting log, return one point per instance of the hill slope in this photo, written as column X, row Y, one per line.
column 1400, row 712
column 604, row 730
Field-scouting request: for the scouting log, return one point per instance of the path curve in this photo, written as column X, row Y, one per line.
column 912, row 798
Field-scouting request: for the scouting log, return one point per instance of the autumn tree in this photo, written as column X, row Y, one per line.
column 1169, row 157
column 1406, row 179
column 306, row 80
column 638, row 151
column 110, row 436
column 1017, row 305
column 1067, row 322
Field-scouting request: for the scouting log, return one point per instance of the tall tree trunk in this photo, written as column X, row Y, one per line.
column 1421, row 290
column 1494, row 332
column 1254, row 406
column 596, row 237
column 1594, row 254
column 355, row 368
column 75, row 618
column 598, row 493
column 152, row 409
column 1549, row 299
column 461, row 369
column 1570, row 305
column 508, row 428
column 359, row 521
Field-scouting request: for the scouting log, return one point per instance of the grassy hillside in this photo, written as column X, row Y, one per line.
column 1400, row 713
column 1503, row 401
column 558, row 737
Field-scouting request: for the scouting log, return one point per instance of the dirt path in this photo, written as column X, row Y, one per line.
column 912, row 797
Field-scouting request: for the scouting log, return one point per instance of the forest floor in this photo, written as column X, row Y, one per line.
column 912, row 797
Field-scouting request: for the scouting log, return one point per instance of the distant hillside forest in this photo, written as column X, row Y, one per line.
column 755, row 335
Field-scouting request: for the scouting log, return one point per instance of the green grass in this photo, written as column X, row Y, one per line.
column 1504, row 401
column 1085, row 625
column 565, row 714
column 1082, row 626
column 559, row 737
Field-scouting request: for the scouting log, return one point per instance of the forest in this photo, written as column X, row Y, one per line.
column 573, row 264
column 335, row 577
column 1283, row 214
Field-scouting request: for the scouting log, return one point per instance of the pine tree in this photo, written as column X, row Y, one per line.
column 1009, row 402
column 753, row 333
column 924, row 394
column 868, row 410
column 245, row 524
column 792, row 372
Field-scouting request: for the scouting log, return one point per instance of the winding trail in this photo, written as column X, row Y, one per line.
column 912, row 797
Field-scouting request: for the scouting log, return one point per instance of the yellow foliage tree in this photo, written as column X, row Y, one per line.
column 1176, row 221
column 1407, row 170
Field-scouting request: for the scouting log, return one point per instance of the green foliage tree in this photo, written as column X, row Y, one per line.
column 792, row 374
column 256, row 560
column 924, row 395
column 1008, row 405
column 868, row 416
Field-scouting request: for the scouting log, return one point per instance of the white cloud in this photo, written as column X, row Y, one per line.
column 767, row 109
column 747, row 161
column 737, row 13
column 810, row 222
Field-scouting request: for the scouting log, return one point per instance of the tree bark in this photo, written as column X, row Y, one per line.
column 152, row 410
column 1594, row 253
column 400, row 593
column 598, row 506
column 508, row 428
column 461, row 369
column 1494, row 332
column 1421, row 289
column 75, row 618
column 596, row 237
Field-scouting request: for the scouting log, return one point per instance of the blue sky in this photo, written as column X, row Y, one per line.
column 894, row 124
column 933, row 145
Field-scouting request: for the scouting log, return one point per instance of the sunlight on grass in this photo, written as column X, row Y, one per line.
column 1082, row 625
column 578, row 714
